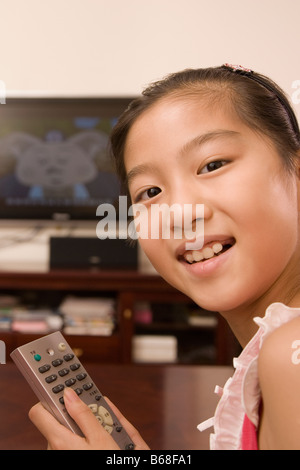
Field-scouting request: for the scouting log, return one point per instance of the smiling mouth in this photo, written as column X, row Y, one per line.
column 209, row 251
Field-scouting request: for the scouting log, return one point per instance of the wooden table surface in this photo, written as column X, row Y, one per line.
column 164, row 402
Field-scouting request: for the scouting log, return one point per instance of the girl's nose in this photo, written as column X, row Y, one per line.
column 188, row 215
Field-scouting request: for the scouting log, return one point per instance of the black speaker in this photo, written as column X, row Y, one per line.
column 88, row 252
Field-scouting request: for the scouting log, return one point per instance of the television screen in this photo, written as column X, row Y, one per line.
column 54, row 158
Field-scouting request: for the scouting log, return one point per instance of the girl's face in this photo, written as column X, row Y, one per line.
column 180, row 151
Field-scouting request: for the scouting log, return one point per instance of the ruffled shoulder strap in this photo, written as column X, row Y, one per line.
column 241, row 394
column 277, row 314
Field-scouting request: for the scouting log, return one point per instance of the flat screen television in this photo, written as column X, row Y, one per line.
column 54, row 159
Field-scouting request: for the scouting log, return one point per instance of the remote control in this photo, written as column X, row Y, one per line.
column 49, row 365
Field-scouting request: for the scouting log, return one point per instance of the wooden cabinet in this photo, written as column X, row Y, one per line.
column 128, row 288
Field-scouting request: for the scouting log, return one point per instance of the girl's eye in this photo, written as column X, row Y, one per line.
column 149, row 193
column 212, row 166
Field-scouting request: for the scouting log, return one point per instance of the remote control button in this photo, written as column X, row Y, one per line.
column 70, row 382
column 105, row 415
column 37, row 357
column 129, row 447
column 68, row 357
column 62, row 347
column 87, row 386
column 44, row 368
column 58, row 388
column 61, row 400
column 119, row 428
column 63, row 372
column 81, row 376
column 74, row 366
column 78, row 391
column 108, row 428
column 93, row 407
column 98, row 397
column 100, row 419
column 51, row 378
column 57, row 362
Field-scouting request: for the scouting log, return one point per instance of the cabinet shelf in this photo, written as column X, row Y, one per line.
column 84, row 280
column 172, row 327
column 128, row 288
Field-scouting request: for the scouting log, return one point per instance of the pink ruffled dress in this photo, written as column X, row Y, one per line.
column 236, row 418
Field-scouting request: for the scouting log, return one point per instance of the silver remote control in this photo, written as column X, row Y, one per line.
column 49, row 365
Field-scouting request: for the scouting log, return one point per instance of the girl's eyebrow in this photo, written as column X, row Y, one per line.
column 207, row 137
column 196, row 142
column 139, row 170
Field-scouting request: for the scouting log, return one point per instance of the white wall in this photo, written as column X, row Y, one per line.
column 116, row 47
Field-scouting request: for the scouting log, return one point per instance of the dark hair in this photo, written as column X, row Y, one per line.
column 258, row 101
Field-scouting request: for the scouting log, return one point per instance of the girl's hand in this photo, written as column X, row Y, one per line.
column 96, row 438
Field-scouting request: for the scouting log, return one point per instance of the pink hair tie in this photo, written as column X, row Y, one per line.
column 238, row 68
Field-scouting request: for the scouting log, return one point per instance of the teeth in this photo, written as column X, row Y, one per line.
column 189, row 257
column 198, row 255
column 206, row 253
column 217, row 247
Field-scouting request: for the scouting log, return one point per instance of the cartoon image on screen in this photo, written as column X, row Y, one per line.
column 55, row 167
column 54, row 161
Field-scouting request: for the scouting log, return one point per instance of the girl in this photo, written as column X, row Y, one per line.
column 227, row 138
